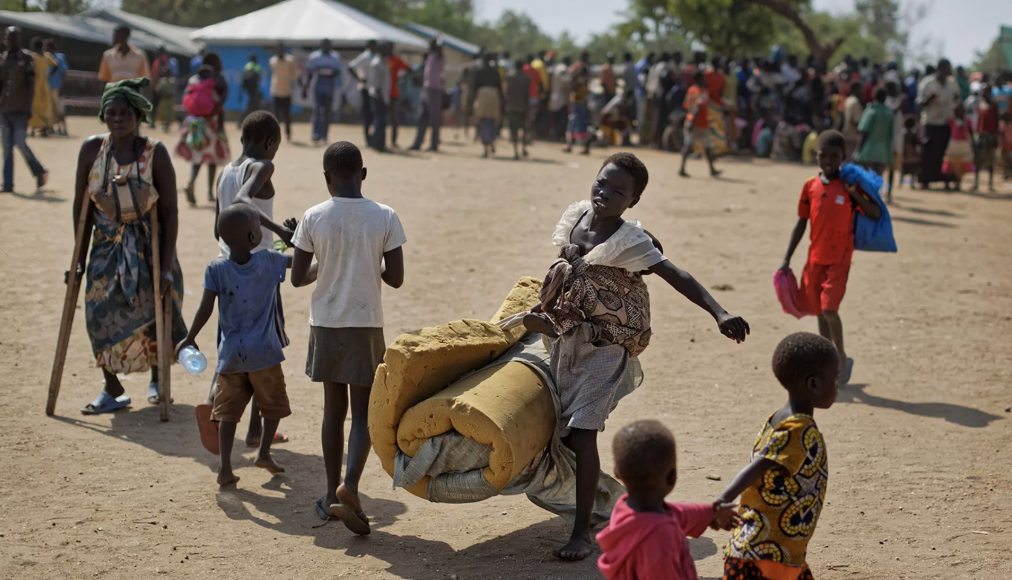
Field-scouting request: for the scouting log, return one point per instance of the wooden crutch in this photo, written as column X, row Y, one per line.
column 69, row 308
column 163, row 320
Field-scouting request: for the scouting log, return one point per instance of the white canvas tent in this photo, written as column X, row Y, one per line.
column 306, row 23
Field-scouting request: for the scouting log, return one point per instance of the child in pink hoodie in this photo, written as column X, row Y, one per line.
column 647, row 536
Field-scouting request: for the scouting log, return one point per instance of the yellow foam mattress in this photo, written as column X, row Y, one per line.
column 417, row 393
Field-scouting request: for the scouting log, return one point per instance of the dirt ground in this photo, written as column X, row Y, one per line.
column 920, row 485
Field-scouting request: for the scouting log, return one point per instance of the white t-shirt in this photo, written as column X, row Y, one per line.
column 940, row 110
column 229, row 184
column 349, row 237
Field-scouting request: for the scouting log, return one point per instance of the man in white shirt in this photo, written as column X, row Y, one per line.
column 359, row 68
column 937, row 96
column 378, row 79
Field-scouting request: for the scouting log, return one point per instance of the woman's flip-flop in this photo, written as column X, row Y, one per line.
column 357, row 522
column 106, row 403
column 153, row 397
column 207, row 429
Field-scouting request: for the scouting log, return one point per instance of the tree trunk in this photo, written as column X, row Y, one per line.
column 820, row 51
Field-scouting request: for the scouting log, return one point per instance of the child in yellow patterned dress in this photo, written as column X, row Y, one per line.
column 783, row 488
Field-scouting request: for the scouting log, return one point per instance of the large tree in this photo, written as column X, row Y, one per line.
column 728, row 27
column 514, row 32
column 798, row 13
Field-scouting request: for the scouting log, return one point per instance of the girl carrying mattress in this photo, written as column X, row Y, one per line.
column 595, row 309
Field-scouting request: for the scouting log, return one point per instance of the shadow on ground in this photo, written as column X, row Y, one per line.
column 958, row 414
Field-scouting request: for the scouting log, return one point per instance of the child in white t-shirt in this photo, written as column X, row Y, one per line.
column 353, row 238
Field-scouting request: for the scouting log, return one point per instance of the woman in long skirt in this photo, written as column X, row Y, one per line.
column 488, row 104
column 126, row 176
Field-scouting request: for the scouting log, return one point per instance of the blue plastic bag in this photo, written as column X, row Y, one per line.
column 870, row 235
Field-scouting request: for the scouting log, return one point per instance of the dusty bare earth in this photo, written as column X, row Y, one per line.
column 921, row 485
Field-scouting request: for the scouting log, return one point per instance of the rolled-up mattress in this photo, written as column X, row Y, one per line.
column 416, row 394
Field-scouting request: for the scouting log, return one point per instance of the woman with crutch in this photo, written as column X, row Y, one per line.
column 130, row 186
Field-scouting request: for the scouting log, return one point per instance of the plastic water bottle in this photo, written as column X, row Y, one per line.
column 192, row 360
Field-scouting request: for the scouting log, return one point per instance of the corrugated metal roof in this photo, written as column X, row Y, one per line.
column 178, row 35
column 89, row 29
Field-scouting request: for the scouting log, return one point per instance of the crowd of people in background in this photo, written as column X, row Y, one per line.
column 934, row 124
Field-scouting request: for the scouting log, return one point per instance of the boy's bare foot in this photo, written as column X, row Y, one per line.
column 577, row 548
column 227, row 479
column 349, row 498
column 268, row 464
column 349, row 511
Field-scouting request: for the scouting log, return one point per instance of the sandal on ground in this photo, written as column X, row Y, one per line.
column 321, row 510
column 106, row 403
column 279, row 437
column 848, row 369
column 357, row 522
column 153, row 395
column 207, row 429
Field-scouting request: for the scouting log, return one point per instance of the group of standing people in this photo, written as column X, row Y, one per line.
column 20, row 92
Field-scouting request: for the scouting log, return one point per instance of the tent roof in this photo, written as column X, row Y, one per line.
column 307, row 22
column 172, row 34
column 428, row 33
column 87, row 29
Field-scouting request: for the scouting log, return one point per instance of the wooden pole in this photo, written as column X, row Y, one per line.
column 69, row 309
column 162, row 341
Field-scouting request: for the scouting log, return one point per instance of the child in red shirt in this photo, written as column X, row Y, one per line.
column 646, row 537
column 830, row 205
column 697, row 124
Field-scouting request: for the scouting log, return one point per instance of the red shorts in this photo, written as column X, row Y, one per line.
column 822, row 287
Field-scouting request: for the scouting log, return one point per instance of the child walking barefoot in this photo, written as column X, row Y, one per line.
column 596, row 310
column 357, row 243
column 248, row 180
column 647, row 536
column 249, row 350
column 783, row 488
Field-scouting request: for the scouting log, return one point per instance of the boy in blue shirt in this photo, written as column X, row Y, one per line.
column 249, row 352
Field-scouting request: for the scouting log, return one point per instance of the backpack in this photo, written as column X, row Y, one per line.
column 870, row 235
column 200, row 99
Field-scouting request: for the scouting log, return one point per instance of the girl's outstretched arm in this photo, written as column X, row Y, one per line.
column 733, row 327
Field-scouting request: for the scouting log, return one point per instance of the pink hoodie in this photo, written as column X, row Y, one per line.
column 650, row 545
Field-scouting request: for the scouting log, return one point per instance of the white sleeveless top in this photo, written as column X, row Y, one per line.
column 229, row 184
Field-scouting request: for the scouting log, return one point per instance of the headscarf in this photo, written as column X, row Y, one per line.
column 129, row 89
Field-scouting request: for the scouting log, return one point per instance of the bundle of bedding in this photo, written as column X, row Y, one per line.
column 467, row 410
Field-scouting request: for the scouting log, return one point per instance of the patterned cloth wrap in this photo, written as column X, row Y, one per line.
column 614, row 301
column 119, row 300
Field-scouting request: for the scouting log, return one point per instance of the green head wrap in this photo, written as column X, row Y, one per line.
column 129, row 89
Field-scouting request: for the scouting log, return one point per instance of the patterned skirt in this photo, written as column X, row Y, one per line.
column 119, row 301
column 203, row 142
